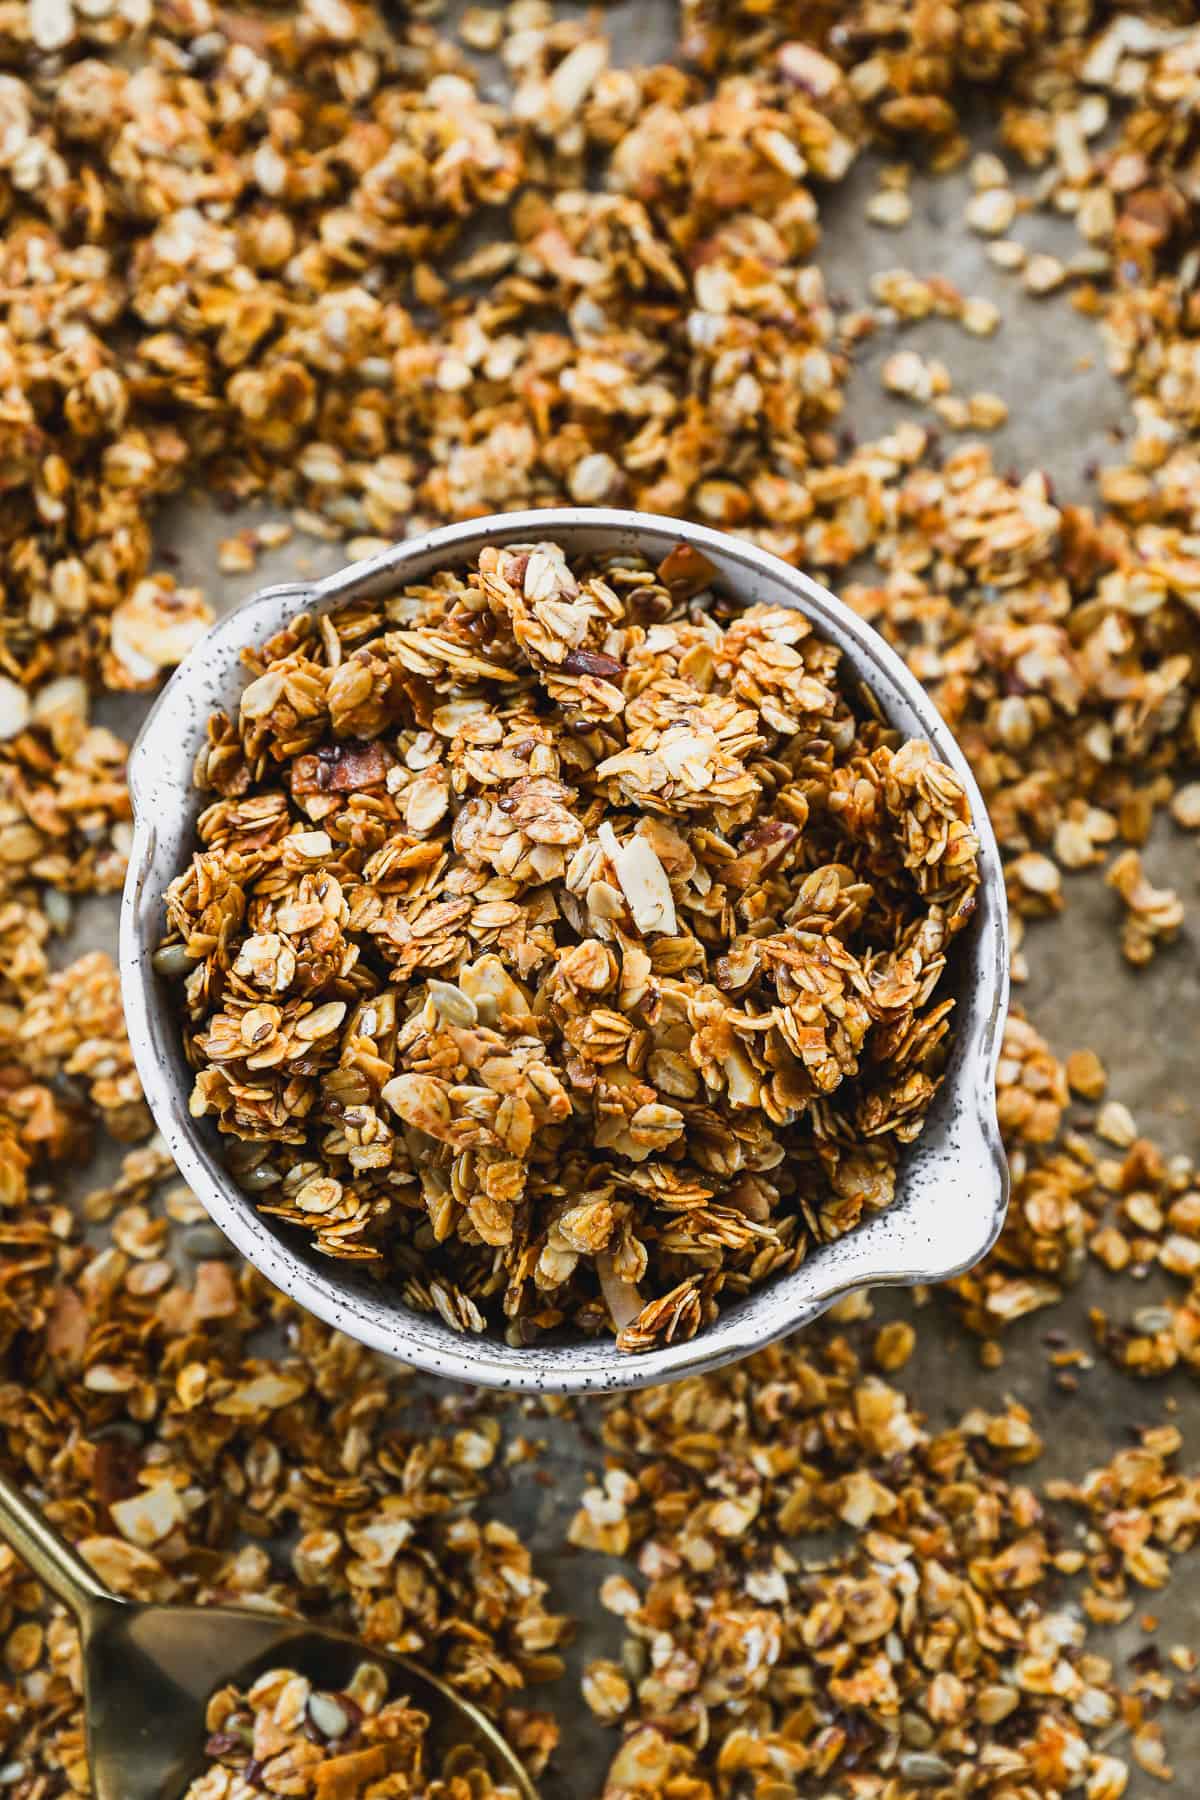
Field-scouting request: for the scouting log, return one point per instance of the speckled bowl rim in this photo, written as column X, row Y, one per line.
column 953, row 1187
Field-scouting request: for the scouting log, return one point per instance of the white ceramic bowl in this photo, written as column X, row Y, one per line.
column 953, row 1183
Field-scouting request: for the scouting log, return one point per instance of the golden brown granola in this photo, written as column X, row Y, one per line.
column 187, row 1465
column 567, row 942
column 285, row 1736
column 934, row 1642
column 309, row 257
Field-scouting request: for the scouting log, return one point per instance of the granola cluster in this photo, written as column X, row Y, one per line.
column 376, row 268
column 285, row 1736
column 567, row 942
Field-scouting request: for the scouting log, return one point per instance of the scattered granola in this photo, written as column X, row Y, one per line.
column 568, row 942
column 310, row 257
column 284, row 1736
column 939, row 1632
column 189, row 1466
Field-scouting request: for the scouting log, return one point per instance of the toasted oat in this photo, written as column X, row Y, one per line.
column 991, row 211
column 1043, row 274
column 704, row 1478
column 307, row 258
column 1087, row 1074
column 890, row 207
column 1185, row 806
column 1116, row 1124
column 915, row 377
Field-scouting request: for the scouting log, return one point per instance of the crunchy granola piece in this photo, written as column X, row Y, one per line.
column 153, row 630
column 261, row 258
column 1086, row 1074
column 890, row 207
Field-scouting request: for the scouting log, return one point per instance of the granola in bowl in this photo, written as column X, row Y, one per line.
column 566, row 941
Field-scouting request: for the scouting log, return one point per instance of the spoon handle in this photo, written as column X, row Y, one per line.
column 49, row 1556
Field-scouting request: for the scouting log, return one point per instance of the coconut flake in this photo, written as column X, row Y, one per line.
column 644, row 881
column 620, row 1296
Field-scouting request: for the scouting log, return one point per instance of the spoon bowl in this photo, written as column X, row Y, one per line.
column 149, row 1672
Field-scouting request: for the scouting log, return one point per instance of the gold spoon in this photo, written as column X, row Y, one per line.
column 149, row 1671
